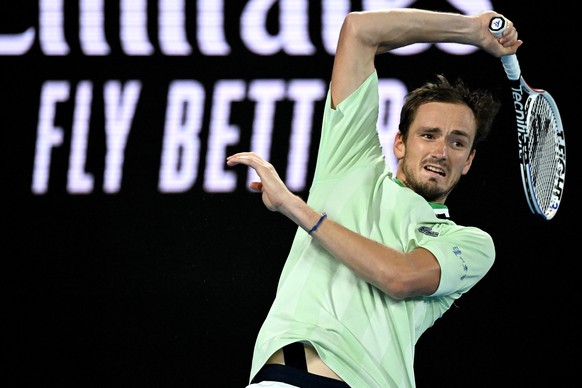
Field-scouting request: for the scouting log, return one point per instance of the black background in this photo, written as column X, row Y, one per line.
column 151, row 289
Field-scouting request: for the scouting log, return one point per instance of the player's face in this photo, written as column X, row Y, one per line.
column 438, row 149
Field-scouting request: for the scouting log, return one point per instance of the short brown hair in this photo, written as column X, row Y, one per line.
column 482, row 103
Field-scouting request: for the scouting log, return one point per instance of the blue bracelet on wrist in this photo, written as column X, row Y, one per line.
column 318, row 223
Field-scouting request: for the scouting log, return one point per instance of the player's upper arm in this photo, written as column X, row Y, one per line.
column 354, row 59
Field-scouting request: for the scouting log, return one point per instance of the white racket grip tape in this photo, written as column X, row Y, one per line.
column 510, row 64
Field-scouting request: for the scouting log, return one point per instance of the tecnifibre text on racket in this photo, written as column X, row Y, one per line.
column 540, row 134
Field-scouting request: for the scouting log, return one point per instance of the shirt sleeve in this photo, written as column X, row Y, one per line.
column 465, row 255
column 349, row 137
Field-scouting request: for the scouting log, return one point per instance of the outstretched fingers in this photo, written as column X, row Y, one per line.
column 274, row 190
column 251, row 159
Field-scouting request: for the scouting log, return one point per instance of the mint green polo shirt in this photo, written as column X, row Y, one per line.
column 362, row 334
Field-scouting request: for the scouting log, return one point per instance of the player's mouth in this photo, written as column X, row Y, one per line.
column 435, row 170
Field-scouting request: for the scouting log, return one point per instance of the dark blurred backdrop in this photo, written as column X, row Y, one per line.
column 111, row 281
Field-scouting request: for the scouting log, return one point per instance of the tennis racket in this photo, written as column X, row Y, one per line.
column 540, row 134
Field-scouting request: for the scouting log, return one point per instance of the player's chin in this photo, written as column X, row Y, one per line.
column 437, row 183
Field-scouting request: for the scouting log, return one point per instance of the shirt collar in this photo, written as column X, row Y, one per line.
column 441, row 211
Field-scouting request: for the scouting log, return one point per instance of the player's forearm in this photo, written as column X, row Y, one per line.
column 398, row 274
column 390, row 29
column 365, row 34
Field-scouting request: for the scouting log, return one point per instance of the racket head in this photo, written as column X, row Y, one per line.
column 543, row 153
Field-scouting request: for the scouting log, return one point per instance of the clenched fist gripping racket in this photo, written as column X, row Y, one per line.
column 540, row 134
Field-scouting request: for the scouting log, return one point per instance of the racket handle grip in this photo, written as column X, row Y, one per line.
column 510, row 63
column 511, row 67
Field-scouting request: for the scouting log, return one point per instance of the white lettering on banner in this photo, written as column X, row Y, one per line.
column 78, row 180
column 51, row 27
column 172, row 25
column 222, row 134
column 119, row 112
column 92, row 28
column 266, row 93
column 181, row 151
column 210, row 33
column 120, row 103
column 181, row 144
column 187, row 101
column 17, row 44
column 293, row 36
column 134, row 28
column 48, row 136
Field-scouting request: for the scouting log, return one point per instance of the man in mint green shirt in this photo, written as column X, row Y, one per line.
column 375, row 260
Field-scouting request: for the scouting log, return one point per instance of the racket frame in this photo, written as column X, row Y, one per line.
column 521, row 93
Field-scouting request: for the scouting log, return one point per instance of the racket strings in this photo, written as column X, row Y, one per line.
column 543, row 128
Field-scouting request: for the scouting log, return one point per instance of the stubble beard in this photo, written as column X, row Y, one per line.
column 429, row 190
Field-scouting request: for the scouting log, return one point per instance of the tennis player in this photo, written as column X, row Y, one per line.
column 376, row 260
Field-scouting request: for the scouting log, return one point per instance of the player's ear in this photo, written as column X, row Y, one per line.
column 469, row 162
column 399, row 148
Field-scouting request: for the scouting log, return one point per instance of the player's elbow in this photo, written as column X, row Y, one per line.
column 356, row 26
column 400, row 288
column 393, row 283
column 396, row 290
column 408, row 283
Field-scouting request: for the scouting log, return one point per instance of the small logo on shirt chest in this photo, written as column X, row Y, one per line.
column 428, row 231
